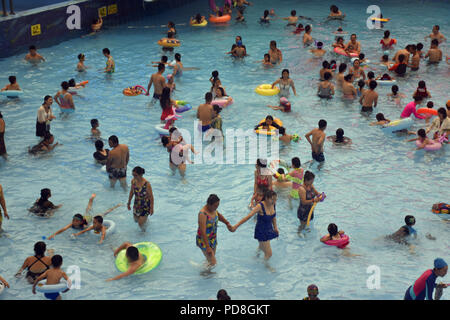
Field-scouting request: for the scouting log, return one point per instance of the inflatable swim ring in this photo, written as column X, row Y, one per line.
column 386, row 82
column 221, row 19
column 343, row 53
column 160, row 129
column 169, row 43
column 272, row 130
column 266, row 90
column 134, row 91
column 11, row 93
column 443, row 211
column 222, row 102
column 51, row 288
column 427, row 111
column 184, row 106
column 341, row 243
column 430, row 147
column 110, row 226
column 397, row 125
column 151, row 252
column 203, row 24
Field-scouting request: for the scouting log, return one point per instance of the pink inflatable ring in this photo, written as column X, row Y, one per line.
column 341, row 243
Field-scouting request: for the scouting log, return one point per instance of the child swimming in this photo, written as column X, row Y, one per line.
column 381, row 120
column 53, row 276
column 319, row 52
column 284, row 106
column 13, row 85
column 339, row 138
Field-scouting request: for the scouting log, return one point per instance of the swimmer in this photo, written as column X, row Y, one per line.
column 293, row 19
column 275, row 54
column 266, row 62
column 353, row 46
column 198, row 19
column 74, row 85
column 13, row 85
column 434, row 55
column 339, row 138
column 386, row 77
column 265, row 18
column 402, row 234
column 94, row 128
column 285, row 83
column 217, row 119
column 64, row 98
column 33, row 56
column 405, row 52
column 370, row 77
column 53, row 276
column 318, row 137
column 178, row 67
column 239, row 51
column 45, row 145
column 387, row 42
column 430, row 105
column 319, row 52
column 326, row 88
column 97, row 226
column 362, row 59
column 325, row 68
column 348, row 90
column 369, row 98
column 284, row 106
column 381, row 120
column 143, row 197
column 240, row 15
column 419, row 48
column 205, row 113
column 422, row 91
column 334, row 234
column 307, row 38
column 257, row 196
column 159, row 82
column 313, row 293
column 341, row 74
column 110, row 64
column 436, row 35
column 237, row 41
column 101, row 154
column 339, row 43
column 171, row 27
column 308, row 196
column 134, row 258
column 386, row 62
column 170, row 83
column 357, row 71
column 423, row 288
column 299, row 29
column 164, row 60
column 440, row 125
column 415, row 60
column 422, row 138
column 272, row 12
column 400, row 67
column 297, row 180
column 216, row 85
column 410, row 108
column 360, row 89
column 42, row 206
column 220, row 95
column 281, row 180
column 335, row 13
column 284, row 137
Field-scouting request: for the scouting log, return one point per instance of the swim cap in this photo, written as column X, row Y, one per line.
column 439, row 263
column 448, row 103
column 313, row 289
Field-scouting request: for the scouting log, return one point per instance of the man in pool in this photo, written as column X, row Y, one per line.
column 434, row 55
column 134, row 257
column 423, row 288
column 159, row 82
column 33, row 56
column 275, row 54
column 436, row 34
column 116, row 164
column 318, row 138
column 406, row 52
column 369, row 98
column 110, row 64
column 205, row 113
column 353, row 46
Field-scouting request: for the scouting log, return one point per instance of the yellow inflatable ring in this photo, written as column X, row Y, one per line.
column 266, row 90
column 169, row 43
column 380, row 19
column 272, row 130
column 203, row 24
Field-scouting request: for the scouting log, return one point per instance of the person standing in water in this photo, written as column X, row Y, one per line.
column 63, row 98
column 159, row 82
column 208, row 219
column 44, row 116
column 423, row 288
column 110, row 64
column 143, row 197
column 308, row 196
column 116, row 164
column 318, row 137
column 285, row 84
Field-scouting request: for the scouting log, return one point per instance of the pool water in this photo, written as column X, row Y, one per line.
column 370, row 186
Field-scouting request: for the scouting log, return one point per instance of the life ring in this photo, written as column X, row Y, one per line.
column 149, row 250
column 51, row 288
column 443, row 211
column 427, row 111
column 397, row 125
column 134, row 91
column 221, row 19
column 11, row 93
column 386, row 82
column 380, row 19
column 267, row 90
column 203, row 24
column 184, row 106
column 341, row 243
column 343, row 53
column 110, row 227
column 169, row 43
column 223, row 102
column 430, row 147
column 272, row 130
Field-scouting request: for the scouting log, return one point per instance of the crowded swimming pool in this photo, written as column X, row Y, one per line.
column 371, row 185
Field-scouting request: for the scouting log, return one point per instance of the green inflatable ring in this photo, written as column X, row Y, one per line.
column 151, row 252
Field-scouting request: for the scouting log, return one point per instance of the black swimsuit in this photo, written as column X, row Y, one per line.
column 35, row 275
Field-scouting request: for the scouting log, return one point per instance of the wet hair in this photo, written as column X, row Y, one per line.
column 385, row 58
column 78, row 216
column 334, row 9
column 370, row 75
column 339, row 135
column 208, row 97
column 296, row 162
column 94, row 122
column 267, row 55
column 269, row 194
column 361, row 56
column 387, row 33
column 309, row 176
column 217, row 108
column 266, row 13
column 442, row 112
column 198, row 17
column 170, row 24
column 165, row 140
column 401, row 57
column 222, row 295
column 325, row 64
column 132, row 254
column 81, row 55
column 410, row 220
column 177, row 56
column 106, row 50
column 164, row 101
column 417, row 98
column 47, row 135
column 170, row 34
column 45, row 194
column 322, row 124
column 372, row 84
column 32, row 47
column 319, row 44
column 72, row 83
column 172, row 130
column 421, row 133
column 212, row 199
column 307, row 28
column 269, row 117
column 422, row 84
column 435, row 42
column 280, row 170
column 353, row 34
column 300, row 26
column 430, row 104
column 138, row 170
column 380, row 117
column 240, row 38
column 342, row 67
column 65, row 85
column 273, row 42
column 39, row 248
column 284, row 70
column 339, row 39
column 394, row 89
column 436, row 26
column 161, row 66
column 1, row 116
column 12, row 79
column 293, row 13
column 332, row 229
column 164, row 59
column 57, row 261
column 327, row 76
column 262, row 163
column 361, row 84
column 348, row 77
column 99, row 219
column 221, row 90
column 419, row 46
column 99, row 145
column 282, row 130
column 114, row 139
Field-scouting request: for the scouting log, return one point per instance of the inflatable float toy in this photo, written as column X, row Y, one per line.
column 397, row 125
column 442, row 211
column 11, row 93
column 427, row 111
column 169, row 43
column 341, row 243
column 163, row 129
column 267, row 90
column 184, row 106
column 313, row 206
column 343, row 53
column 275, row 164
column 436, row 145
column 386, row 82
column 380, row 19
column 222, row 19
column 110, row 227
column 149, row 250
column 51, row 288
column 203, row 24
column 272, row 130
column 222, row 102
column 134, row 91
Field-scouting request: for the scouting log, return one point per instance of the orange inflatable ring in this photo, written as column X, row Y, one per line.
column 427, row 111
column 132, row 91
column 221, row 19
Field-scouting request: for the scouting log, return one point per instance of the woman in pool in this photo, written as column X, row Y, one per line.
column 220, row 95
column 341, row 74
column 178, row 154
column 63, row 98
column 307, row 38
column 100, row 155
column 208, row 219
column 37, row 264
column 265, row 18
column 275, row 54
column 44, row 116
column 339, row 138
column 266, row 225
column 308, row 195
column 381, row 120
column 143, row 197
column 387, row 42
column 216, row 83
column 357, row 71
column 43, row 207
column 339, row 43
column 440, row 125
column 285, row 84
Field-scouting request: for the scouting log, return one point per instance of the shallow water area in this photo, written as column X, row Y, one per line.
column 370, row 186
